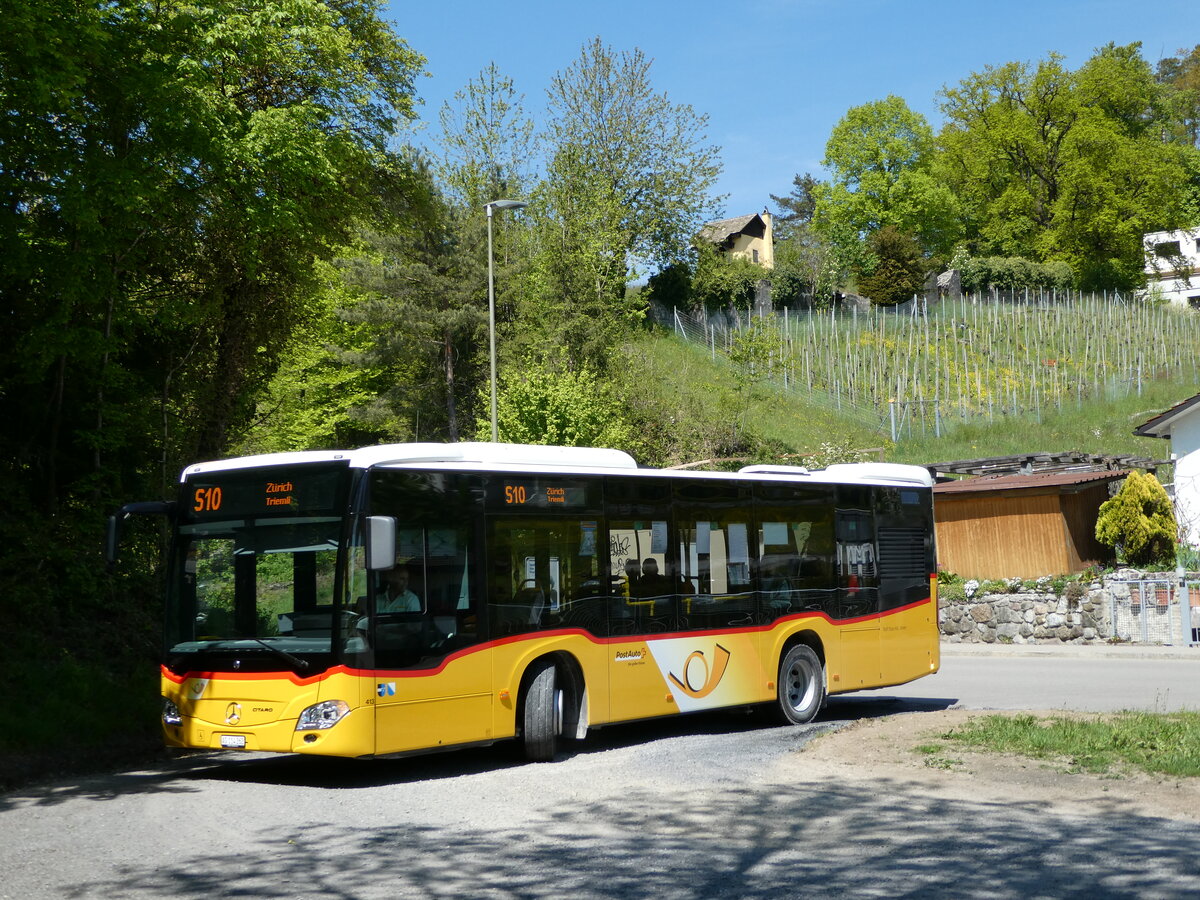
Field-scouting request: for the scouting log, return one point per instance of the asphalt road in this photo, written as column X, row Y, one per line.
column 1086, row 679
column 718, row 805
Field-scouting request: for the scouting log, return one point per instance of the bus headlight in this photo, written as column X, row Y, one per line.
column 170, row 713
column 323, row 715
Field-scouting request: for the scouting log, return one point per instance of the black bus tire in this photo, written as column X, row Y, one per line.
column 541, row 706
column 801, row 687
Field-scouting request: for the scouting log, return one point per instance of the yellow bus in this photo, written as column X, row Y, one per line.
column 412, row 597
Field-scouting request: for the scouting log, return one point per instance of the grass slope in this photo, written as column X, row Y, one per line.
column 693, row 406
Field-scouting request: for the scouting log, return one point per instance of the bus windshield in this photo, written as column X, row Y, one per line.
column 251, row 573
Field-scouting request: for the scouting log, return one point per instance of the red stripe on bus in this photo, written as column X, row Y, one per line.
column 539, row 635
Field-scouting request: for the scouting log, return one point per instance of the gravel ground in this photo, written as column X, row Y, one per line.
column 709, row 806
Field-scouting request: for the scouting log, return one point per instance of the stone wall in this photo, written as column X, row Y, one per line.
column 1027, row 618
column 1150, row 607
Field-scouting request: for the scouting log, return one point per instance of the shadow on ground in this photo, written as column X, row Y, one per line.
column 176, row 774
column 883, row 838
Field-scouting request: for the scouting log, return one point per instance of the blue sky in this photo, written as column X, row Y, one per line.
column 774, row 76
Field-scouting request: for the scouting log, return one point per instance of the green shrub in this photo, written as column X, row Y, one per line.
column 1187, row 557
column 1011, row 273
column 1139, row 522
column 569, row 409
column 951, row 592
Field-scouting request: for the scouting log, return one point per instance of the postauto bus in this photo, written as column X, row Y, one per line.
column 404, row 598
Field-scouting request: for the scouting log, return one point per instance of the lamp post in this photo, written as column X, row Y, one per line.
column 495, row 204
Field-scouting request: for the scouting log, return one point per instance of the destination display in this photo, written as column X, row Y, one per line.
column 538, row 493
column 295, row 491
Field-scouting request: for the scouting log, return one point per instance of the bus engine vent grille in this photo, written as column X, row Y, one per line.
column 902, row 553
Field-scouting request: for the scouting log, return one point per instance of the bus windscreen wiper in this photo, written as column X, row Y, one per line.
column 295, row 661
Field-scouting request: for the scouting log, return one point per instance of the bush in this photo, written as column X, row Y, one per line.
column 951, row 592
column 568, row 409
column 1139, row 522
column 1011, row 273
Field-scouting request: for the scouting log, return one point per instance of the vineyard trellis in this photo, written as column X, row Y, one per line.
column 719, row 334
column 925, row 366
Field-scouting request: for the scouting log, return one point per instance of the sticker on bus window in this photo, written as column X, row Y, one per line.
column 587, row 538
column 658, row 538
column 775, row 534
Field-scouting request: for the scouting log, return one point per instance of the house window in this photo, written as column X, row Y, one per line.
column 1166, row 249
column 1194, row 301
column 755, row 255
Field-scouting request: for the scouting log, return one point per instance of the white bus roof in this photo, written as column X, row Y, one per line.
column 482, row 456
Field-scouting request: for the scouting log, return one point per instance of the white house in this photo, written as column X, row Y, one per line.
column 1173, row 265
column 1181, row 426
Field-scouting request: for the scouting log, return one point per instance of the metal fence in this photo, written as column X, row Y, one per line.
column 1156, row 611
column 717, row 333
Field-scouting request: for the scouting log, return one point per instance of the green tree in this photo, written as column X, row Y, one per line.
column 488, row 142
column 573, row 299
column 649, row 154
column 898, row 268
column 806, row 264
column 756, row 352
column 797, row 208
column 1182, row 73
column 1050, row 164
column 806, row 268
column 423, row 312
column 670, row 286
column 881, row 157
column 723, row 282
column 1139, row 522
column 190, row 165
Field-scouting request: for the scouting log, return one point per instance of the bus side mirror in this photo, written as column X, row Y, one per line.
column 112, row 537
column 381, row 543
column 112, row 540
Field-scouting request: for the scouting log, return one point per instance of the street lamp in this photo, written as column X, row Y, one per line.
column 495, row 204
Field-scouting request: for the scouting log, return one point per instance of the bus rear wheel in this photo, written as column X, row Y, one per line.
column 801, row 687
column 543, row 712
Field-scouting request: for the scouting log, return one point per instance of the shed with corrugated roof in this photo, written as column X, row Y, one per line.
column 1021, row 526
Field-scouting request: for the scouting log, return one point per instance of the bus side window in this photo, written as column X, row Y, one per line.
column 434, row 526
column 544, row 573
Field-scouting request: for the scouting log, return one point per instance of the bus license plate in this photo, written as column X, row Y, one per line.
column 233, row 741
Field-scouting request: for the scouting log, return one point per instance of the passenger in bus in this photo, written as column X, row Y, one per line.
column 395, row 595
column 633, row 572
column 652, row 583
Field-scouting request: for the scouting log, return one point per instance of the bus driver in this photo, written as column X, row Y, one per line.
column 395, row 596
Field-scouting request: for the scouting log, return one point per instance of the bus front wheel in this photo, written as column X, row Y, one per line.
column 801, row 688
column 543, row 712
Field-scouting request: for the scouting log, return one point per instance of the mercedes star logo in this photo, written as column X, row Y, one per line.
column 233, row 713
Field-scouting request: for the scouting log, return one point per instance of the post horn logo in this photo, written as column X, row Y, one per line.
column 233, row 713
column 698, row 679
